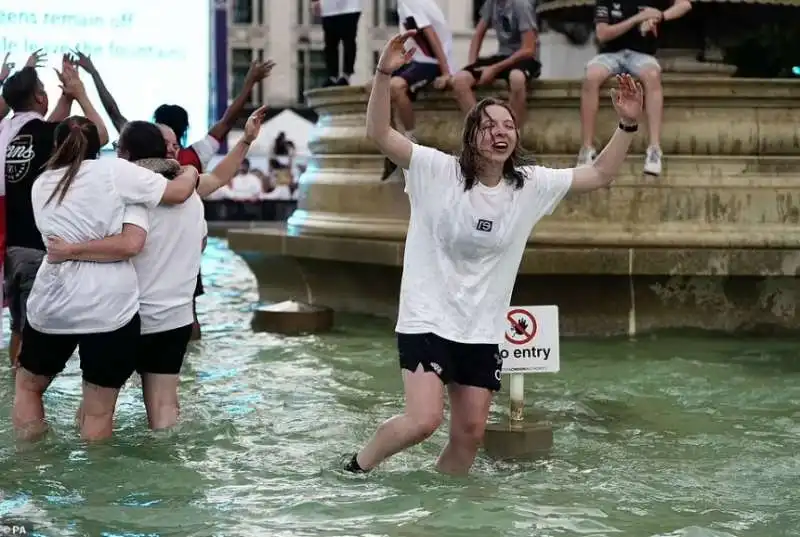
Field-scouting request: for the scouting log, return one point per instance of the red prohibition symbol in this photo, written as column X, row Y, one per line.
column 523, row 327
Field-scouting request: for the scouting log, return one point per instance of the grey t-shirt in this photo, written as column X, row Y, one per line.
column 509, row 19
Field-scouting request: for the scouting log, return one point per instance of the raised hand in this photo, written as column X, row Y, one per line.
column 82, row 60
column 259, row 71
column 394, row 54
column 36, row 59
column 6, row 68
column 628, row 99
column 252, row 128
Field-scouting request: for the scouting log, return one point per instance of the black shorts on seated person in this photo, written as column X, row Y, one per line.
column 530, row 67
column 108, row 359
column 468, row 364
column 162, row 353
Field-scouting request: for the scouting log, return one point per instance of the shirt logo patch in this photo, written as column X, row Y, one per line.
column 484, row 225
column 19, row 155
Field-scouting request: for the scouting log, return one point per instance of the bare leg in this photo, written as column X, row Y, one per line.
column 654, row 103
column 14, row 346
column 590, row 101
column 401, row 103
column 518, row 95
column 423, row 414
column 160, row 394
column 462, row 84
column 28, row 412
column 469, row 410
column 97, row 411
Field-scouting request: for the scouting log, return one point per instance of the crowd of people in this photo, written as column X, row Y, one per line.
column 103, row 255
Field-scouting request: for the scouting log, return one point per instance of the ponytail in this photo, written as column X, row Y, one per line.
column 77, row 140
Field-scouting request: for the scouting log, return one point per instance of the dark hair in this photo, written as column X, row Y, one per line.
column 470, row 160
column 20, row 89
column 77, row 140
column 175, row 117
column 141, row 139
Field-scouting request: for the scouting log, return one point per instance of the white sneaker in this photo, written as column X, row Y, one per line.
column 586, row 156
column 652, row 161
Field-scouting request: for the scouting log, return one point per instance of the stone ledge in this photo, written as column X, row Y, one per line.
column 541, row 258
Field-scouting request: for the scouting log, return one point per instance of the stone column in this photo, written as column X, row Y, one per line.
column 282, row 48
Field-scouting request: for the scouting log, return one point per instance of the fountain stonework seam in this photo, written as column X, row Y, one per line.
column 714, row 243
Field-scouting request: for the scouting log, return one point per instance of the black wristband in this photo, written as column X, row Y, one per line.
column 628, row 128
column 381, row 71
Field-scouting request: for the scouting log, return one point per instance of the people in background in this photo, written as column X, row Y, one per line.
column 27, row 141
column 431, row 63
column 339, row 26
column 282, row 153
column 89, row 306
column 471, row 217
column 628, row 35
column 514, row 24
column 245, row 186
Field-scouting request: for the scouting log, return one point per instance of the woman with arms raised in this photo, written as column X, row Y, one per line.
column 166, row 267
column 89, row 306
column 471, row 217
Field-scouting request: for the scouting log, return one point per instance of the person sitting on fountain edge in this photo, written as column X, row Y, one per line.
column 628, row 37
column 514, row 23
column 470, row 220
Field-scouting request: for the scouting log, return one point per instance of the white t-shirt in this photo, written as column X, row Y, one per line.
column 205, row 149
column 77, row 297
column 463, row 248
column 168, row 265
column 340, row 7
column 420, row 14
column 246, row 187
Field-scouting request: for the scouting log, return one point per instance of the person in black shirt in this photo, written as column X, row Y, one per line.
column 627, row 32
column 25, row 156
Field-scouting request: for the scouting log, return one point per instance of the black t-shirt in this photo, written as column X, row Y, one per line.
column 26, row 156
column 615, row 11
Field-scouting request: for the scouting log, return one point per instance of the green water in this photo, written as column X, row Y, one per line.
column 668, row 436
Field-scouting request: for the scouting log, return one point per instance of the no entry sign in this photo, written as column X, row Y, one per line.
column 531, row 342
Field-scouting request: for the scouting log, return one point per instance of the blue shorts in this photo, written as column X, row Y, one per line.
column 418, row 75
column 625, row 62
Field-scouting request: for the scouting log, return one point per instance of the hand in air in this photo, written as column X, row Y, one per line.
column 394, row 54
column 628, row 99
column 252, row 127
column 6, row 68
column 36, row 59
column 82, row 60
column 58, row 250
column 259, row 71
column 71, row 84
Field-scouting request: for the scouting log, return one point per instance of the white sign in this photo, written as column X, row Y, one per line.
column 531, row 340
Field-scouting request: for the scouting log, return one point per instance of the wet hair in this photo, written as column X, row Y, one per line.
column 141, row 140
column 470, row 160
column 77, row 139
column 20, row 89
column 176, row 118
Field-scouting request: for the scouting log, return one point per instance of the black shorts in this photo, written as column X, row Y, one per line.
column 418, row 75
column 108, row 359
column 21, row 267
column 163, row 352
column 530, row 67
column 468, row 364
column 198, row 289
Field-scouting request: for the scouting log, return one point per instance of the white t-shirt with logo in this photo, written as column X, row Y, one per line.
column 339, row 7
column 168, row 265
column 427, row 13
column 78, row 297
column 463, row 248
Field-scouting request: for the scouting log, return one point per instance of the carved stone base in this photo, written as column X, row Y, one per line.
column 529, row 440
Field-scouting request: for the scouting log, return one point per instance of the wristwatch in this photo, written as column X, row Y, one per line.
column 628, row 128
